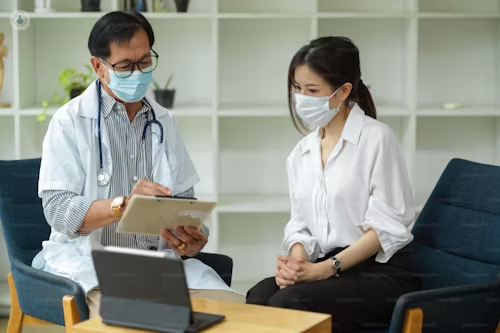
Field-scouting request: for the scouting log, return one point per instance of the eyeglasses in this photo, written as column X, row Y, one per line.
column 124, row 69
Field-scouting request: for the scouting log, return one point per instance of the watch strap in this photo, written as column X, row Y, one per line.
column 117, row 210
column 117, row 207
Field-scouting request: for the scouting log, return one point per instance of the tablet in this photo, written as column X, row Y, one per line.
column 147, row 215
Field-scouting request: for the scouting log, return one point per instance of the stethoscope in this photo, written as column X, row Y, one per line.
column 103, row 177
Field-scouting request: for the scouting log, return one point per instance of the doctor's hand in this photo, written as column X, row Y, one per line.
column 144, row 187
column 188, row 242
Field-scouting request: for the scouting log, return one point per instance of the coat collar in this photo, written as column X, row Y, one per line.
column 88, row 103
column 351, row 132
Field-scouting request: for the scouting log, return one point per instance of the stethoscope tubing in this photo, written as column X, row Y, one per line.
column 144, row 131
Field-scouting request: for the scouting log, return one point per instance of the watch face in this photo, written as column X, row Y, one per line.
column 118, row 201
column 337, row 264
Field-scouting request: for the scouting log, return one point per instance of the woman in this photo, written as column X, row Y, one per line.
column 351, row 201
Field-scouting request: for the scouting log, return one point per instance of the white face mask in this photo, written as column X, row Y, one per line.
column 315, row 111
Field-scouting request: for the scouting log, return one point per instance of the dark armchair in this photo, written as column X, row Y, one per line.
column 37, row 297
column 456, row 254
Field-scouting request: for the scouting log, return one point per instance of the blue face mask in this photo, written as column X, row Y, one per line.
column 130, row 89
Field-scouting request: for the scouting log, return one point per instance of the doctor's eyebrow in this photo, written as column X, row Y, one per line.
column 129, row 60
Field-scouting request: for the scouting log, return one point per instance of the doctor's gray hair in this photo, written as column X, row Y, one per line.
column 336, row 60
column 117, row 27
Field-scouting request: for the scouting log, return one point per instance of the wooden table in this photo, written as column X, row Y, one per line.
column 240, row 318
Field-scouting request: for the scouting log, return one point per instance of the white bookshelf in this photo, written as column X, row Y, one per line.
column 230, row 59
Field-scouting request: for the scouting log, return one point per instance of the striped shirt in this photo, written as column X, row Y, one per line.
column 131, row 160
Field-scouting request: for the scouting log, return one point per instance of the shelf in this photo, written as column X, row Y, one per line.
column 236, row 15
column 7, row 111
column 254, row 56
column 254, row 111
column 72, row 7
column 257, row 16
column 252, row 239
column 459, row 6
column 445, row 70
column 374, row 15
column 282, row 111
column 97, row 15
column 254, row 203
column 198, row 137
column 181, row 111
column 186, row 49
column 4, row 294
column 266, row 6
column 7, row 148
column 479, row 111
column 253, row 153
column 440, row 139
column 382, row 45
column 367, row 6
column 6, row 7
column 32, row 134
column 7, row 92
column 457, row 15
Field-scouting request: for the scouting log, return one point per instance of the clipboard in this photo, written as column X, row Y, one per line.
column 147, row 215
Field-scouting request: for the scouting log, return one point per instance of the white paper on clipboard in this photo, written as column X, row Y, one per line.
column 147, row 215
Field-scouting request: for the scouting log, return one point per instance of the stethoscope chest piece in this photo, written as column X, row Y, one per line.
column 103, row 177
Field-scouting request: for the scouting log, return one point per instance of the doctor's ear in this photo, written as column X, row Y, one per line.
column 98, row 66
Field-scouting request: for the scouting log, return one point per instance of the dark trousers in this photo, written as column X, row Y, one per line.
column 362, row 297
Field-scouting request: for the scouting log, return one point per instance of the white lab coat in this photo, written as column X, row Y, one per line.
column 70, row 161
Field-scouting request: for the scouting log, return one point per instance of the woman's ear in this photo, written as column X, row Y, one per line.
column 345, row 91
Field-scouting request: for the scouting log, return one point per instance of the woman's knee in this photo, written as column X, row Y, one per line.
column 290, row 298
column 262, row 292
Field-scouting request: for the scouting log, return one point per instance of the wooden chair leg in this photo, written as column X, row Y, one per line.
column 71, row 314
column 413, row 321
column 15, row 324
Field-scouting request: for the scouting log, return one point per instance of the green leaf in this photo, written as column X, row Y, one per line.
column 157, row 86
column 169, row 80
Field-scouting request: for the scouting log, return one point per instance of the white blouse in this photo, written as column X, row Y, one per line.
column 363, row 186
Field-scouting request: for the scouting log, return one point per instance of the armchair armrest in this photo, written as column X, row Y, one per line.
column 220, row 263
column 40, row 294
column 467, row 308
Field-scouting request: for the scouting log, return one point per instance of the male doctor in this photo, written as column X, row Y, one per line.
column 95, row 158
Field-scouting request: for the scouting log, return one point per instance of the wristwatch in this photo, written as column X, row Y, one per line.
column 117, row 205
column 337, row 265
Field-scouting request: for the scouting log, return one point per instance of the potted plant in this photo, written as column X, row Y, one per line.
column 182, row 5
column 73, row 83
column 165, row 97
column 91, row 5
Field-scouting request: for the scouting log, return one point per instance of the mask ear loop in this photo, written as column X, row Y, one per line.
column 104, row 79
column 336, row 91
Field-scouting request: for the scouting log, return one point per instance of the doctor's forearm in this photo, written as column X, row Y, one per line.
column 65, row 211
column 99, row 215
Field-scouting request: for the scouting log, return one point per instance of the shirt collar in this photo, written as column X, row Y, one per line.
column 351, row 132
